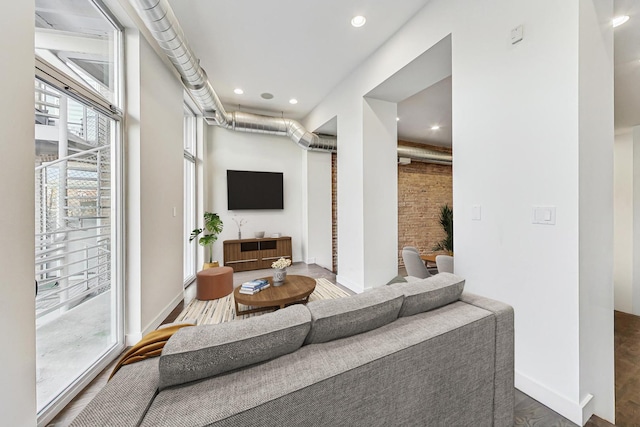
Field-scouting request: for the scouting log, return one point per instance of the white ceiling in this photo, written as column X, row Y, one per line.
column 302, row 50
column 419, row 113
column 627, row 65
column 290, row 48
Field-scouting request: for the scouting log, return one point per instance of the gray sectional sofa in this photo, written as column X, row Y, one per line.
column 407, row 354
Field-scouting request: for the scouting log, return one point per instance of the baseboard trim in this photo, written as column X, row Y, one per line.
column 163, row 314
column 350, row 284
column 574, row 411
column 133, row 338
column 588, row 408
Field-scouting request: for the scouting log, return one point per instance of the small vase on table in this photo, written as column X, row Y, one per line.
column 279, row 276
column 280, row 271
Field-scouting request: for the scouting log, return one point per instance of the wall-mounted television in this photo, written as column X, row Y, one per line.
column 254, row 190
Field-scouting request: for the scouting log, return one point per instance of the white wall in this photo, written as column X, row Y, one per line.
column 253, row 152
column 155, row 189
column 17, row 308
column 595, row 147
column 623, row 221
column 316, row 209
column 380, row 225
column 516, row 133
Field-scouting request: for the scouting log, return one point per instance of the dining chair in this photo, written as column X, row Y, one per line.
column 414, row 264
column 444, row 263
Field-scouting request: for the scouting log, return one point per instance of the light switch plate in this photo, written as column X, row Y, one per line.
column 517, row 34
column 476, row 213
column 544, row 215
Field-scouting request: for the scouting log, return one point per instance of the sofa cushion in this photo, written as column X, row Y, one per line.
column 429, row 293
column 402, row 374
column 205, row 351
column 343, row 317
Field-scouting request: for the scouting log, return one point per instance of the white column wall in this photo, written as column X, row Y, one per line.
column 316, row 207
column 596, row 208
column 380, row 191
column 516, row 145
column 155, row 189
column 623, row 250
column 350, row 199
column 17, row 223
column 133, row 160
column 226, row 149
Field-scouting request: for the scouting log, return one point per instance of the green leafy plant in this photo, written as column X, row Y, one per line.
column 446, row 221
column 212, row 227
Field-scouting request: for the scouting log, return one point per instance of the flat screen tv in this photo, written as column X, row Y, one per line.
column 254, row 190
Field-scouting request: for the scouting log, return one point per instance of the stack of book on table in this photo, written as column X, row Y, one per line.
column 254, row 286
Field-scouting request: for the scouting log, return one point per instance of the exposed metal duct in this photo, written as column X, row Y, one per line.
column 424, row 155
column 165, row 28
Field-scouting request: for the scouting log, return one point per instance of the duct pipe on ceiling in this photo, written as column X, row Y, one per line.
column 424, row 155
column 165, row 28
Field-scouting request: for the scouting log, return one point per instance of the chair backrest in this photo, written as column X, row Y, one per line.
column 444, row 263
column 414, row 264
column 411, row 248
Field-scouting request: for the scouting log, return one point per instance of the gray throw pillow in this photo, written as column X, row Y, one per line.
column 344, row 317
column 430, row 293
column 205, row 351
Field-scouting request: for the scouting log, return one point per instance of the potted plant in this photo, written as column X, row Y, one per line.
column 446, row 221
column 212, row 227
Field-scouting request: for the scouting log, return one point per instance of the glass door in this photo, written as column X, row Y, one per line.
column 78, row 215
column 77, row 302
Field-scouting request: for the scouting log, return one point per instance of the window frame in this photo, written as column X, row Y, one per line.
column 190, row 132
column 76, row 90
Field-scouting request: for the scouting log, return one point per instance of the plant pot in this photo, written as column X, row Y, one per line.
column 213, row 264
column 279, row 276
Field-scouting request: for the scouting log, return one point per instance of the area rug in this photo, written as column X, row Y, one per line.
column 223, row 309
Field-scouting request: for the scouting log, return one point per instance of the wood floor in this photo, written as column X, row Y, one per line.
column 627, row 357
column 528, row 412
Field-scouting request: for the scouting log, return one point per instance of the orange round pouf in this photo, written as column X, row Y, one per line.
column 214, row 283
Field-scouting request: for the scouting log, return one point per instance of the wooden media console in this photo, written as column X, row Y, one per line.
column 254, row 254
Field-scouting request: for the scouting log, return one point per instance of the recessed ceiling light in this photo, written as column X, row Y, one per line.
column 238, row 91
column 293, row 101
column 619, row 20
column 266, row 95
column 397, row 119
column 358, row 21
column 436, row 127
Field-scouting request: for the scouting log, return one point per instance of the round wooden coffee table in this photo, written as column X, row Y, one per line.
column 295, row 289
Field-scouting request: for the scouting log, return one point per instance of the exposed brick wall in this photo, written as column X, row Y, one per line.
column 334, row 209
column 422, row 189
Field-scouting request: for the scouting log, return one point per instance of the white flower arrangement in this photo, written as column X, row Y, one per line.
column 281, row 263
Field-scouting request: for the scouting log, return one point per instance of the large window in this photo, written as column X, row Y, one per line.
column 190, row 151
column 82, row 40
column 78, row 269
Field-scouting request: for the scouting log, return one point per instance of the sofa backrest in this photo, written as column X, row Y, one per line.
column 430, row 293
column 343, row 317
column 205, row 351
